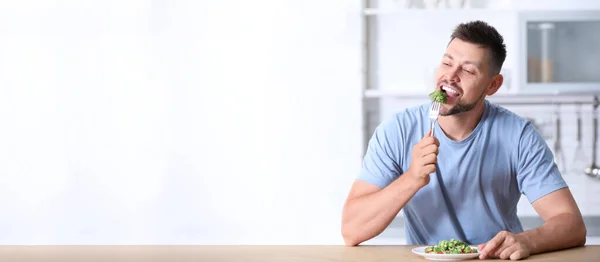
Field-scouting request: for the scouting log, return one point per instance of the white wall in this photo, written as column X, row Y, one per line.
column 178, row 122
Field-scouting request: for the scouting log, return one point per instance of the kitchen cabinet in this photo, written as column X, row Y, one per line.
column 559, row 51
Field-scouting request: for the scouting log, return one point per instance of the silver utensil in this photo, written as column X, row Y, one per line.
column 593, row 170
column 434, row 112
column 559, row 157
column 580, row 159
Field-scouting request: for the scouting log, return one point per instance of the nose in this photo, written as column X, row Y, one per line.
column 452, row 74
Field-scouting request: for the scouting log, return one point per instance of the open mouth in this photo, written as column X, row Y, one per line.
column 450, row 91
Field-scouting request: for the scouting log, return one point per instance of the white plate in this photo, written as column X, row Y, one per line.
column 444, row 257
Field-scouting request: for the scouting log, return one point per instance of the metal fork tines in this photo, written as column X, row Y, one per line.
column 434, row 112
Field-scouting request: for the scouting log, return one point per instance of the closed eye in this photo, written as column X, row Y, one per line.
column 469, row 71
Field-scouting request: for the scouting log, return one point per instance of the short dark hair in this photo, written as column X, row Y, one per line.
column 485, row 35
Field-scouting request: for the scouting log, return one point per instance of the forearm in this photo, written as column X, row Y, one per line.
column 367, row 216
column 560, row 232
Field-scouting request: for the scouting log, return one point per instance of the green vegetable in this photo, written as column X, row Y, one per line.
column 438, row 96
column 451, row 247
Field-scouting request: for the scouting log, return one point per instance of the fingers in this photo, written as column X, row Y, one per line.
column 503, row 246
column 429, row 168
column 424, row 156
column 508, row 251
column 430, row 149
column 481, row 246
column 492, row 245
column 519, row 254
column 429, row 159
column 428, row 141
column 509, row 241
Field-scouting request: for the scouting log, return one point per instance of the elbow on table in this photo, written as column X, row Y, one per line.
column 582, row 235
column 350, row 238
column 351, row 242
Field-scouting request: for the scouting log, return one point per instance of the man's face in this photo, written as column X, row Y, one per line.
column 464, row 75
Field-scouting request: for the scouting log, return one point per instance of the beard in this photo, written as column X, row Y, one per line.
column 461, row 107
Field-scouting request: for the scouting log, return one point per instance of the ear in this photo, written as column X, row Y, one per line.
column 496, row 83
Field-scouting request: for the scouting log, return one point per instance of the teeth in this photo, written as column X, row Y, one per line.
column 448, row 89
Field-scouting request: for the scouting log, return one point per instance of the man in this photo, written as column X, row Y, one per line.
column 465, row 180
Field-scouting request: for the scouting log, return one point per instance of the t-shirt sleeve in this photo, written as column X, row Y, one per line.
column 537, row 174
column 381, row 162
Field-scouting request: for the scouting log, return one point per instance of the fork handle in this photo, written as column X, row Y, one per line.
column 432, row 126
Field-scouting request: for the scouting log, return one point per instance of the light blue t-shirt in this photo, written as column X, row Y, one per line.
column 474, row 193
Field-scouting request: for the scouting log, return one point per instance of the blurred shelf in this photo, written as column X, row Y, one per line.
column 464, row 10
column 514, row 99
column 432, row 11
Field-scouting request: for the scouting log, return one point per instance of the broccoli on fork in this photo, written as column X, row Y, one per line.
column 438, row 96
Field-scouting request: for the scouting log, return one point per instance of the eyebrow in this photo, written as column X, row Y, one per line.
column 466, row 62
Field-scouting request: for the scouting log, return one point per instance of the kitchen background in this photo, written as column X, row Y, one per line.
column 241, row 122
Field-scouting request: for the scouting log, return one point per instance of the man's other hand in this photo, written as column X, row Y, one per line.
column 505, row 245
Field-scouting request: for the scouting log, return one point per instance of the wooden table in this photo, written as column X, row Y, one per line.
column 246, row 253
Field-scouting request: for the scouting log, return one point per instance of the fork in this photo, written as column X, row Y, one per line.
column 434, row 112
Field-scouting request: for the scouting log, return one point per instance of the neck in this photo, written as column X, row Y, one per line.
column 460, row 126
